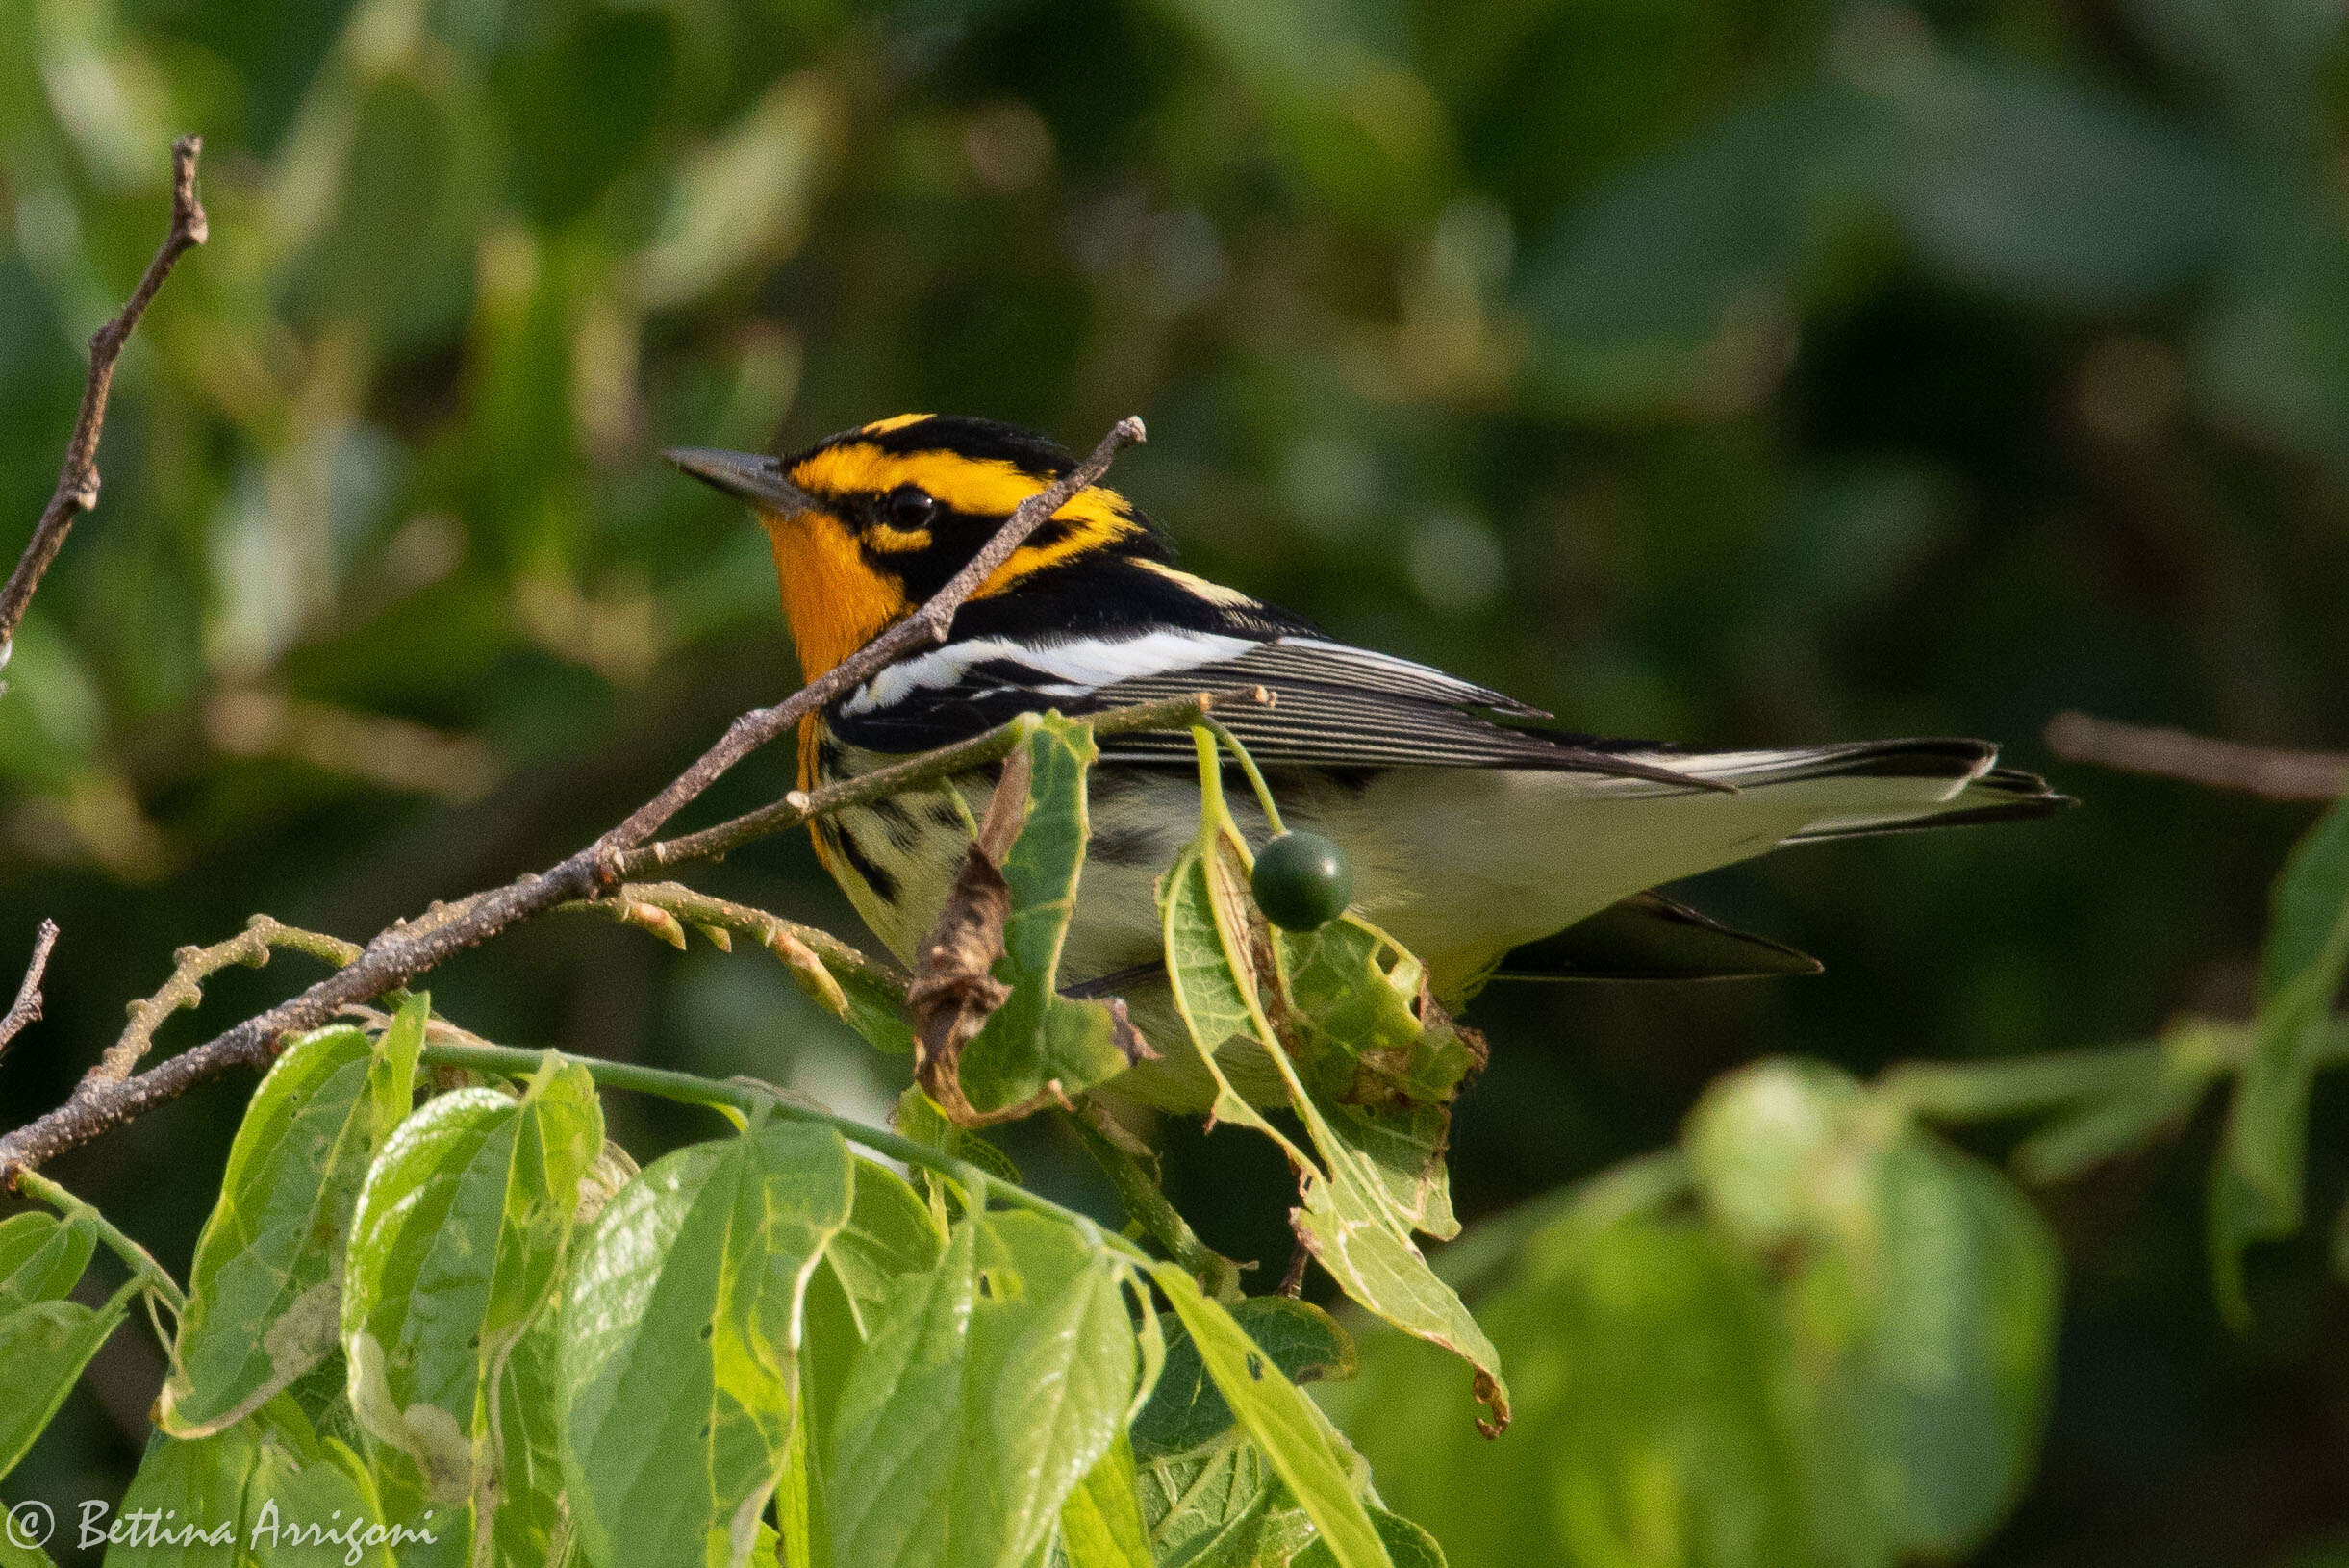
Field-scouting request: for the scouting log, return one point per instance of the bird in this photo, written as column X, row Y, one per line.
column 1488, row 845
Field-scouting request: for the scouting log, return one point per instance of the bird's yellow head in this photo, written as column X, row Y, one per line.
column 870, row 524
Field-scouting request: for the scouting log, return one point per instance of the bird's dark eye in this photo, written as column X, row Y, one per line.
column 909, row 506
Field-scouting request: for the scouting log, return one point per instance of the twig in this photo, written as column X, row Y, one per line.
column 814, row 957
column 77, row 479
column 2196, row 759
column 26, row 1008
column 149, row 1274
column 408, row 949
column 931, row 767
column 192, row 966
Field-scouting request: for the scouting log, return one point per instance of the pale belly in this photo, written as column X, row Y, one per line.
column 1459, row 865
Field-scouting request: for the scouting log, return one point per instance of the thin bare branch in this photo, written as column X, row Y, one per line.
column 929, row 768
column 192, row 966
column 408, row 949
column 2196, row 759
column 26, row 1008
column 77, row 479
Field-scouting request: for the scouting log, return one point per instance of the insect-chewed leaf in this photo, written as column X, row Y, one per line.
column 1363, row 1197
column 42, row 1258
column 991, row 1386
column 460, row 1229
column 1281, row 1420
column 264, row 1293
column 1037, row 1046
column 1382, row 1059
column 43, row 1348
column 681, row 1341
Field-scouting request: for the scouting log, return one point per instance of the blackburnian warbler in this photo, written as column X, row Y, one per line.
column 1484, row 845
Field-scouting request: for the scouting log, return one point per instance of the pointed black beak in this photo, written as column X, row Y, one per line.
column 744, row 475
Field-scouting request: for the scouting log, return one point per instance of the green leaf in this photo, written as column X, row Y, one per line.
column 876, row 1005
column 1933, row 1335
column 741, row 201
column 2256, row 1188
column 1040, row 1047
column 682, row 1336
column 1281, row 1420
column 459, row 1233
column 891, row 1232
column 2125, row 1120
column 531, row 1522
column 1922, row 1298
column 993, row 1385
column 1100, row 1525
column 1350, row 1218
column 14, row 1555
column 1407, row 1544
column 920, row 1118
column 1764, row 1142
column 265, row 1492
column 264, row 1293
column 43, row 1348
column 199, row 1483
column 2307, row 927
column 1380, row 1056
column 300, row 1510
column 1207, row 1506
column 1185, row 1409
column 42, row 1258
column 1207, row 978
column 1648, row 1430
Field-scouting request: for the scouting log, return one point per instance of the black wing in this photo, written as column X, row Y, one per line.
column 1333, row 705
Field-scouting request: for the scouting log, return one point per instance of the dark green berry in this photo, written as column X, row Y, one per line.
column 1302, row 881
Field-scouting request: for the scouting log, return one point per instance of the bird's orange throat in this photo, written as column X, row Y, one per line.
column 834, row 600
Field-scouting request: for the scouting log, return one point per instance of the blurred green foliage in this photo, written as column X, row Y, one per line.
column 1764, row 372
